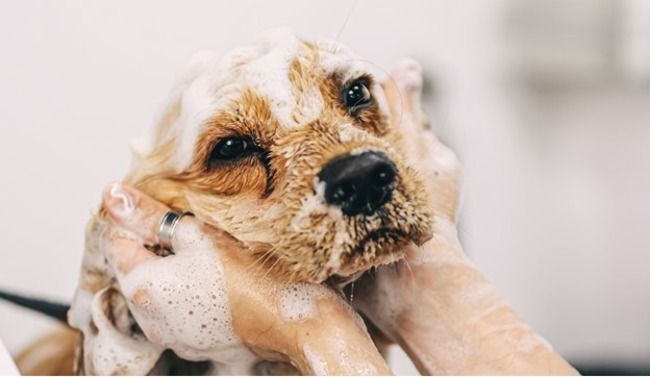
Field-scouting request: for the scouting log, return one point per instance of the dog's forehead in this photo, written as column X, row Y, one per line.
column 210, row 84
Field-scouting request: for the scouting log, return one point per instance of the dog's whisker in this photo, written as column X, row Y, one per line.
column 411, row 274
column 273, row 266
column 351, row 299
column 345, row 22
column 261, row 260
column 263, row 264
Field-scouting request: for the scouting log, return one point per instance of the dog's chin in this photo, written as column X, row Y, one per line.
column 380, row 247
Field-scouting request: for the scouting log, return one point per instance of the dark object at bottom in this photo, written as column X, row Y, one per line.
column 604, row 368
column 51, row 309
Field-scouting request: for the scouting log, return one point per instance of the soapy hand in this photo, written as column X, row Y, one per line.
column 210, row 301
column 436, row 163
column 436, row 304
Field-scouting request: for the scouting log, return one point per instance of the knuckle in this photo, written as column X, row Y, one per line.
column 141, row 298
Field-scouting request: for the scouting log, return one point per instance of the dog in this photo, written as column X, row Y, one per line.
column 286, row 145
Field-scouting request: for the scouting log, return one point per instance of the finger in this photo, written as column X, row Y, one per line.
column 394, row 99
column 134, row 211
column 407, row 79
column 403, row 90
column 124, row 253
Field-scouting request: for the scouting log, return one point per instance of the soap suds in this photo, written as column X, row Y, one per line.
column 263, row 67
column 79, row 313
column 111, row 352
column 297, row 301
column 200, row 305
column 346, row 133
column 209, row 84
column 315, row 362
column 269, row 74
column 162, row 295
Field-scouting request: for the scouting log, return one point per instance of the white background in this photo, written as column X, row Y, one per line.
column 550, row 116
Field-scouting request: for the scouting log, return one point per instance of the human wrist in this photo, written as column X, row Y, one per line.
column 460, row 324
column 336, row 342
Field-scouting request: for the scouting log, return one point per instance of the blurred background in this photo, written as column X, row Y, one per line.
column 546, row 102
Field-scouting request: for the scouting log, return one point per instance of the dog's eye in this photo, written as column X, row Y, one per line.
column 230, row 148
column 356, row 96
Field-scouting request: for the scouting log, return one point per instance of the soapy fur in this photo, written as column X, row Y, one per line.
column 284, row 93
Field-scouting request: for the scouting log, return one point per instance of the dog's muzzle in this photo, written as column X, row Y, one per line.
column 359, row 183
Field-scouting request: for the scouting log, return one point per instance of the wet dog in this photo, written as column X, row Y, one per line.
column 287, row 146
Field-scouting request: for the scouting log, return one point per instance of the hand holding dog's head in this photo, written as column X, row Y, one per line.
column 287, row 146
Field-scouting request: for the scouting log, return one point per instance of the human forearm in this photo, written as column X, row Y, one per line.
column 321, row 338
column 459, row 324
column 435, row 303
column 337, row 345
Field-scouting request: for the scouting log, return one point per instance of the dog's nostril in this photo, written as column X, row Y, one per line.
column 377, row 195
column 359, row 183
column 342, row 192
column 384, row 174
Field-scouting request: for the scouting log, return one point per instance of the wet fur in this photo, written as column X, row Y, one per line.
column 261, row 200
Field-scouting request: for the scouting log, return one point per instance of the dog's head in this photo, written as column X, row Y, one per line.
column 286, row 145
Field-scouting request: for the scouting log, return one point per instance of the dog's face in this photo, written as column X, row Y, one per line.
column 287, row 146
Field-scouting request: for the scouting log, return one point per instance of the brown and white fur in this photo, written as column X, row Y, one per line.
column 284, row 94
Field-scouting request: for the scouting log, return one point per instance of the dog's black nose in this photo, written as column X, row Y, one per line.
column 359, row 183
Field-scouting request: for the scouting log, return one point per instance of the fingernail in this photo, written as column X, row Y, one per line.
column 119, row 201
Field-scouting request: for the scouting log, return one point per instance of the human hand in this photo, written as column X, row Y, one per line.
column 437, row 164
column 211, row 301
column 435, row 303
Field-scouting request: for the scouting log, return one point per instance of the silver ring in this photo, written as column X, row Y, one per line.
column 166, row 230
